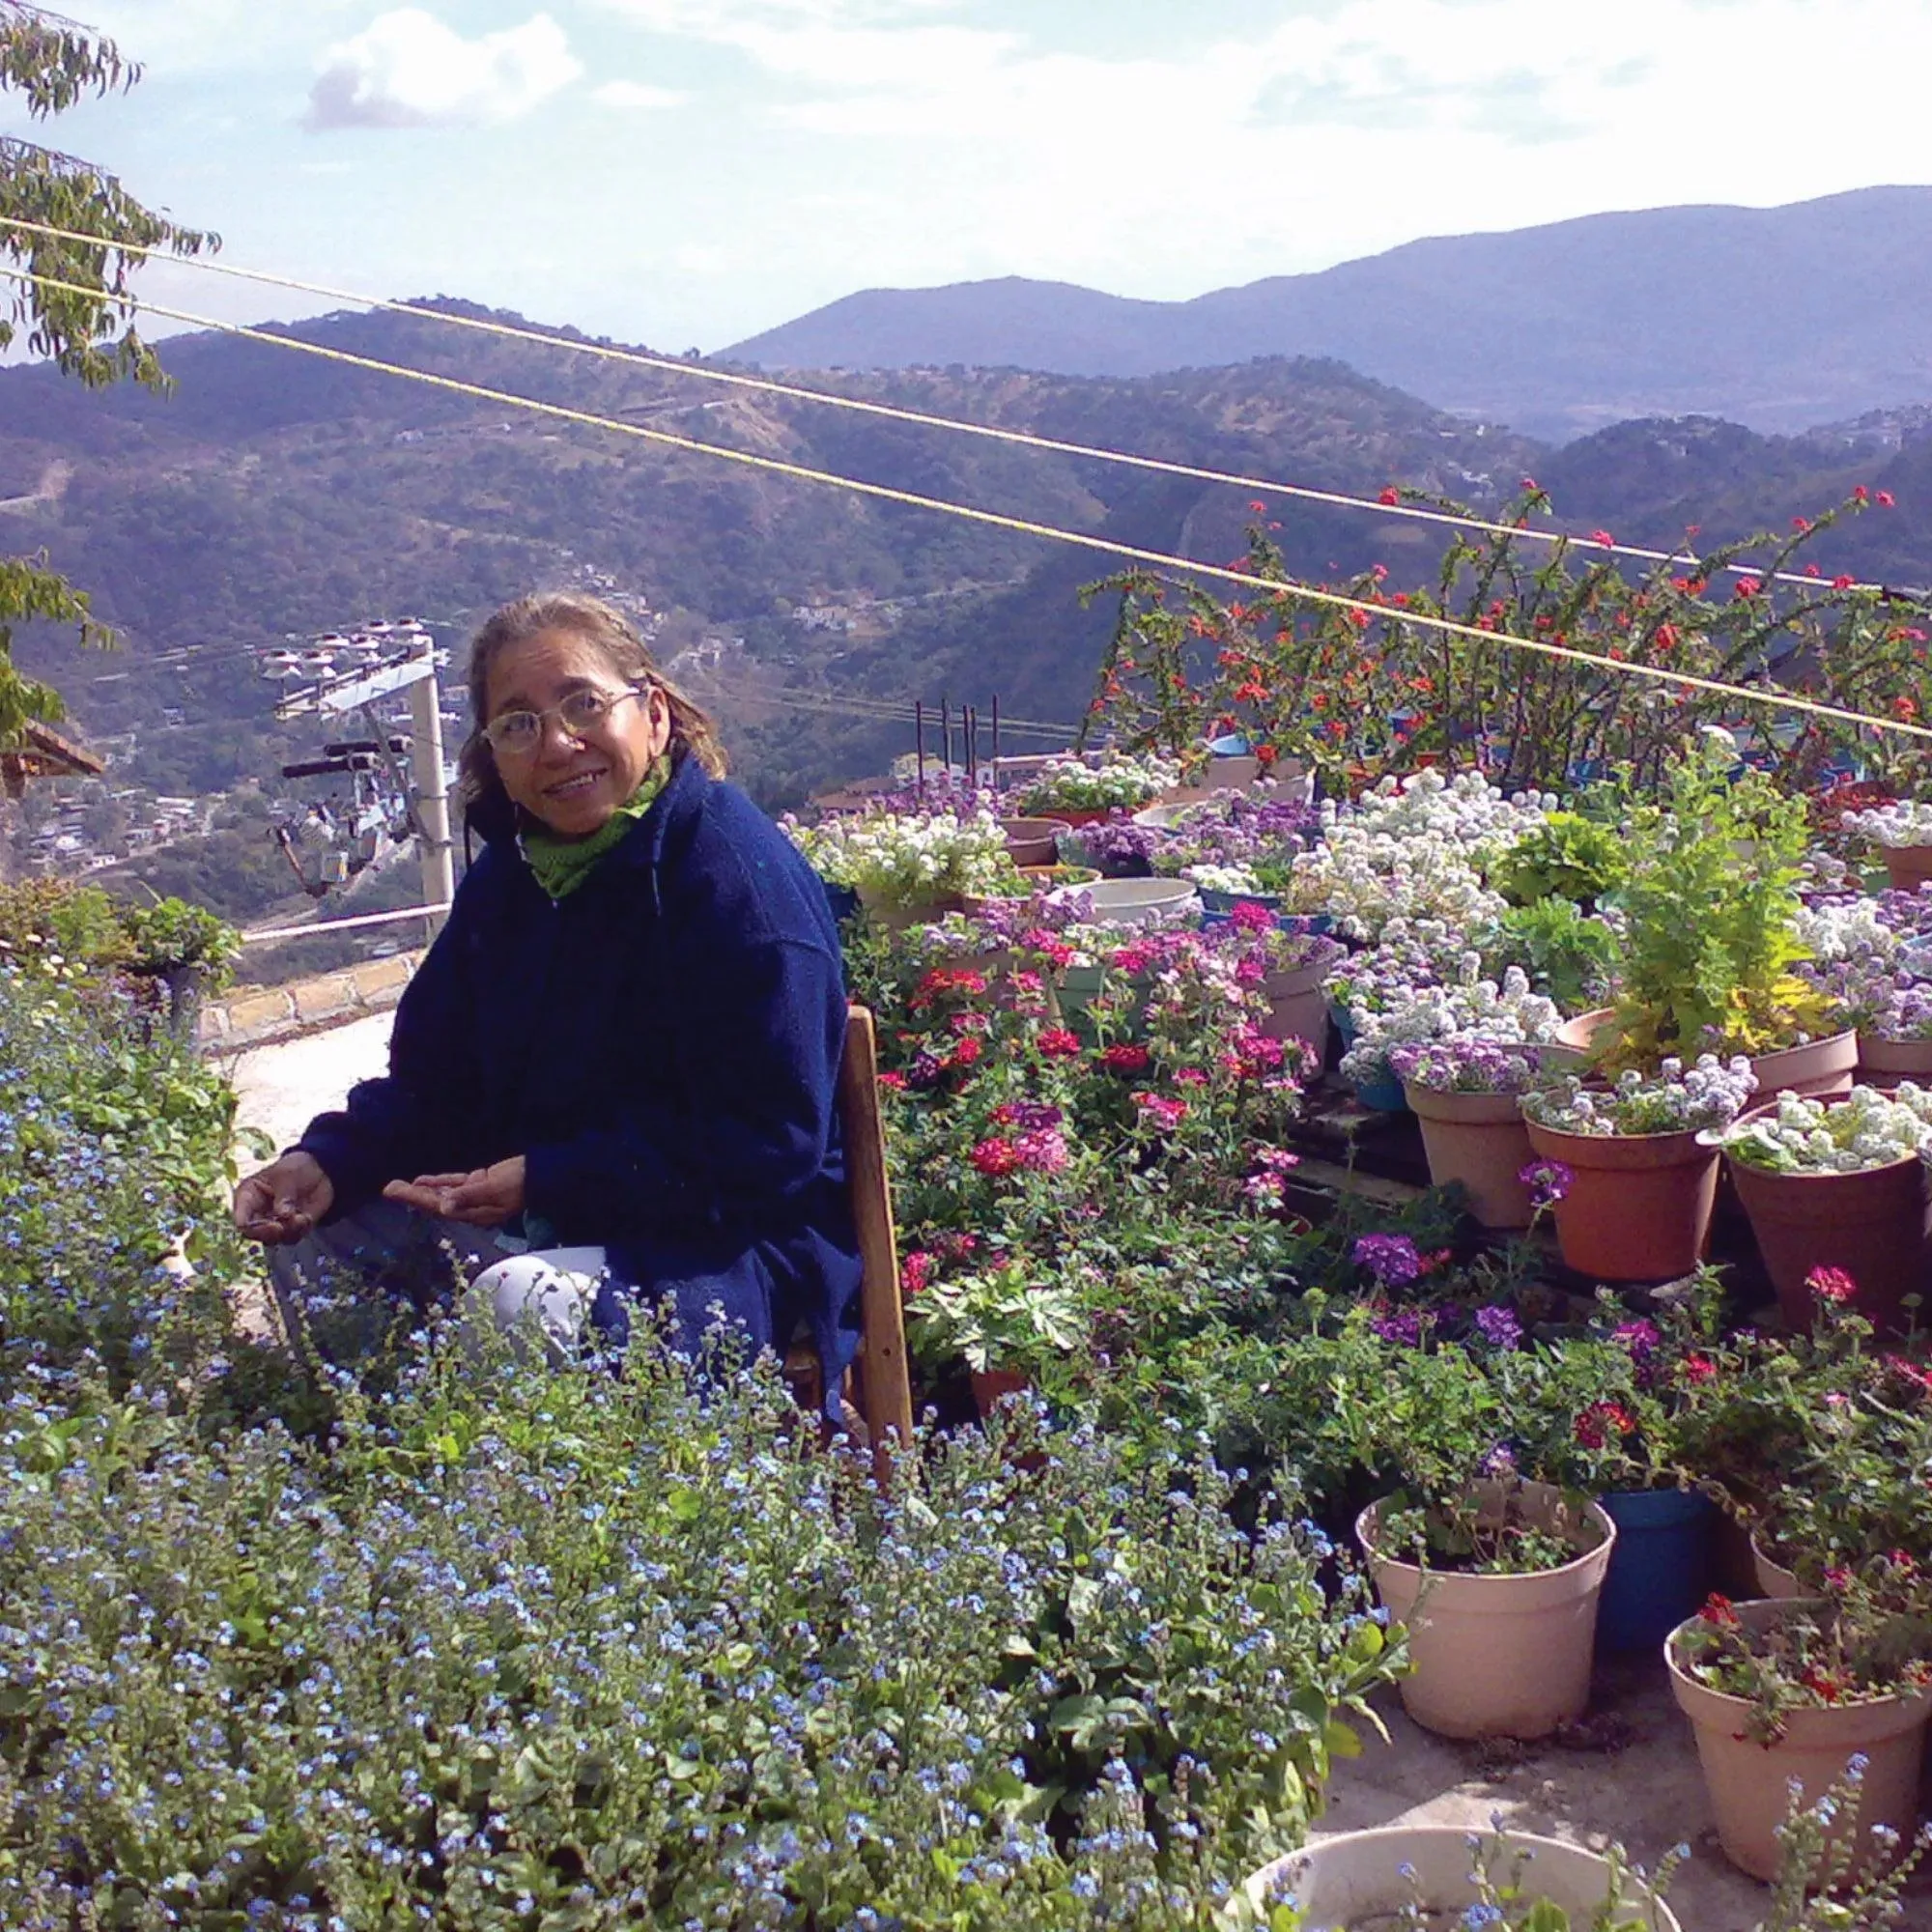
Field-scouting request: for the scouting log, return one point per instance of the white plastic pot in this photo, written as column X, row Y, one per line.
column 1130, row 902
column 1355, row 1878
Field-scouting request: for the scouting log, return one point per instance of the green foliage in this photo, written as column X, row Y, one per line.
column 1566, row 856
column 1570, row 955
column 171, row 934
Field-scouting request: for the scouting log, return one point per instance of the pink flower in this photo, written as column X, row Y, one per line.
column 1058, row 1044
column 1162, row 1112
column 1042, row 1150
column 1831, row 1284
column 1189, row 1076
column 995, row 1158
column 1125, row 1059
column 915, row 1271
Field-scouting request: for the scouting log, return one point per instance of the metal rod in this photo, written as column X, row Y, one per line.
column 946, row 736
column 996, row 741
column 425, row 912
column 919, row 740
column 969, row 729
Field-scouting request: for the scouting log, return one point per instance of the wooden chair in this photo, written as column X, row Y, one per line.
column 883, row 1391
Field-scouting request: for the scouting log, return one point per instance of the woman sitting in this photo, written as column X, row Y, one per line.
column 614, row 1074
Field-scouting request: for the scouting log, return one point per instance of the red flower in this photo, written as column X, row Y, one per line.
column 1718, row 1610
column 915, row 1271
column 995, row 1158
column 965, row 1052
column 1886, row 499
column 1189, row 1076
column 1861, row 494
column 1597, row 1423
column 1605, row 538
column 1389, row 497
column 1699, row 1369
column 893, row 1083
column 1830, row 1284
column 1125, row 1059
column 1837, row 1578
column 1747, row 587
column 1161, row 1111
column 1058, row 1044
column 1843, row 582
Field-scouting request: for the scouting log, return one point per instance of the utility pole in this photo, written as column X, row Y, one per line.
column 431, row 791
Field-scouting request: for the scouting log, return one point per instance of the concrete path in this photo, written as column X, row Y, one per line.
column 283, row 1087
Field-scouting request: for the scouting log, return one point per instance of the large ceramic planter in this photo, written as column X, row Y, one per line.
column 1773, row 1580
column 1748, row 1781
column 1907, row 867
column 1477, row 1139
column 1032, row 841
column 1639, row 1205
column 896, row 916
column 1872, row 1225
column 1362, row 1879
column 1497, row 1656
column 1885, row 1063
column 1820, row 1068
column 1661, row 1568
column 1298, row 1006
column 1133, row 902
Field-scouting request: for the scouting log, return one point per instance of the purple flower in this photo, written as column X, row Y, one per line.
column 1548, row 1181
column 1402, row 1327
column 926, row 1072
column 1392, row 1259
column 1501, row 1463
column 1499, row 1328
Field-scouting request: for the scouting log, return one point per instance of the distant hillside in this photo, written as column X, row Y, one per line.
column 1775, row 318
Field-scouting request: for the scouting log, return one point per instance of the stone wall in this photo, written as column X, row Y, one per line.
column 260, row 1015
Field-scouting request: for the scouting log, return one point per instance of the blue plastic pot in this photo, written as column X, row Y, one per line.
column 842, row 899
column 1383, row 1095
column 1231, row 745
column 1213, row 901
column 1659, row 1570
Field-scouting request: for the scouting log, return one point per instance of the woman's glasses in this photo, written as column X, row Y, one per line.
column 517, row 734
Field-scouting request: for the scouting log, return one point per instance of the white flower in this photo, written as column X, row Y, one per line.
column 1904, row 822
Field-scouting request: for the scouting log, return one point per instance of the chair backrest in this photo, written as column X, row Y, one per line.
column 885, row 1381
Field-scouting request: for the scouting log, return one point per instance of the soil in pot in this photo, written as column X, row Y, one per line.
column 1876, row 1225
column 1659, row 1570
column 1358, row 1879
column 1499, row 1655
column 1479, row 1140
column 1639, row 1205
column 1748, row 1781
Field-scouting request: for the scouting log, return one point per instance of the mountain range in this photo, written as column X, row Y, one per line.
column 1778, row 319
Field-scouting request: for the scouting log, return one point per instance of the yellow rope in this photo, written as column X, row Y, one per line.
column 1020, row 439
column 995, row 520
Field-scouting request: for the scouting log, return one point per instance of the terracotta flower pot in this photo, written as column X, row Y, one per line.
column 1885, row 1063
column 1746, row 1780
column 992, row 1386
column 1480, row 1140
column 1820, row 1069
column 1032, row 841
column 1497, row 1656
column 1298, row 1006
column 1360, row 1878
column 1907, row 867
column 1872, row 1225
column 1074, row 815
column 1582, row 1032
column 1639, row 1205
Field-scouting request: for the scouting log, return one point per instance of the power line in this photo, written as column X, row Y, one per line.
column 1255, row 586
column 1019, row 439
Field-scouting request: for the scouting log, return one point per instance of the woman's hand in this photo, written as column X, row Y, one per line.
column 285, row 1200
column 485, row 1198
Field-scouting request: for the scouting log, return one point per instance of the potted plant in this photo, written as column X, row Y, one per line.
column 1709, row 936
column 1076, row 793
column 1903, row 831
column 1870, row 961
column 1497, row 1583
column 1464, row 1090
column 1642, row 1183
column 187, row 948
column 1000, row 1321
column 1838, row 1186
column 1424, row 1875
column 1784, row 1693
column 1289, row 967
column 909, row 867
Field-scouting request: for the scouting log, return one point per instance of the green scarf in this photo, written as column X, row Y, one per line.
column 563, row 864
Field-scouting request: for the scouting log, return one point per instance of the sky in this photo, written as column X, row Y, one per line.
column 685, row 173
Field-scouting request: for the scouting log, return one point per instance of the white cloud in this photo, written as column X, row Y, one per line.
column 407, row 69
column 637, row 94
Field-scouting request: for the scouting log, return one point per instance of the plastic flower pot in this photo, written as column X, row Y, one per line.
column 1746, row 1781
column 1872, row 1225
column 1360, row 1878
column 1885, row 1063
column 1820, row 1068
column 1381, row 1096
column 992, row 1386
column 1213, row 900
column 1907, row 867
column 1032, row 841
column 1075, row 988
column 842, row 899
column 1499, row 1656
column 902, row 914
column 1298, row 1006
column 1480, row 1140
column 1659, row 1570
column 1130, row 902
column 1074, row 815
column 1639, row 1205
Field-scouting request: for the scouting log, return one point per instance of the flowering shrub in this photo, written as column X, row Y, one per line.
column 908, row 858
column 1463, row 1064
column 1670, row 1101
column 1865, row 1129
column 1119, row 779
column 1902, row 823
column 1372, row 871
column 589, row 1649
column 1477, row 1012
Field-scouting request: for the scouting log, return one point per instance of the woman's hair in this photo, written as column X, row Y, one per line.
column 621, row 648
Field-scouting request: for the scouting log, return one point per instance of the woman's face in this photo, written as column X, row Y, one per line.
column 572, row 782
